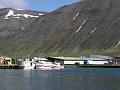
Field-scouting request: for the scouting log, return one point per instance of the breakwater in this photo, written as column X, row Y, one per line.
column 10, row 67
column 99, row 66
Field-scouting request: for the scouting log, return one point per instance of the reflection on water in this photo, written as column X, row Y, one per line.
column 67, row 79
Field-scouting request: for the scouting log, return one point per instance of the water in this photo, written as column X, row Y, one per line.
column 67, row 79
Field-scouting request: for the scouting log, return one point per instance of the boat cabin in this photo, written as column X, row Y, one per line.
column 56, row 60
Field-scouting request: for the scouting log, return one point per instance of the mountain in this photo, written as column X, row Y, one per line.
column 86, row 27
column 14, row 20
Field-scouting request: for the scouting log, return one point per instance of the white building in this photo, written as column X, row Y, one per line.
column 93, row 59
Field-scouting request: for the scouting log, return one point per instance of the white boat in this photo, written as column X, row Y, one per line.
column 41, row 63
column 28, row 65
column 44, row 65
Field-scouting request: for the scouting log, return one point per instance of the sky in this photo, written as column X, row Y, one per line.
column 48, row 5
column 36, row 5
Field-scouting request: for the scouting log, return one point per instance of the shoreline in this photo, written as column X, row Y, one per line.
column 66, row 66
column 93, row 66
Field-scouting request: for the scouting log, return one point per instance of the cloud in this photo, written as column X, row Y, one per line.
column 23, row 4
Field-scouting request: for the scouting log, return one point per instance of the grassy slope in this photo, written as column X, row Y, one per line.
column 24, row 54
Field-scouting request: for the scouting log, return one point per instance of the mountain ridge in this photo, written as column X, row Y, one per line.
column 86, row 27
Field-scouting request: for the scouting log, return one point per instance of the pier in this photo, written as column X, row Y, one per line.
column 15, row 66
column 99, row 66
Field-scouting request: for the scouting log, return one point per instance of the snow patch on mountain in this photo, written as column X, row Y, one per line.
column 18, row 9
column 76, row 16
column 12, row 13
column 81, row 26
column 92, row 32
column 117, row 44
column 27, row 16
column 40, row 14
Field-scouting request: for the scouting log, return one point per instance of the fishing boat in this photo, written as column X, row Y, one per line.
column 28, row 65
column 41, row 63
column 44, row 65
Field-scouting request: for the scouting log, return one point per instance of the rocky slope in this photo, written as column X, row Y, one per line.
column 88, row 25
column 15, row 20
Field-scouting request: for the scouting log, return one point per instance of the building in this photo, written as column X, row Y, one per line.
column 116, row 60
column 93, row 59
column 55, row 59
column 70, row 60
column 5, row 60
column 99, row 59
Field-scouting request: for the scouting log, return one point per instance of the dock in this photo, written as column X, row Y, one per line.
column 100, row 66
column 11, row 67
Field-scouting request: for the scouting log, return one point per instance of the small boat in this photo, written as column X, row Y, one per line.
column 28, row 65
column 45, row 65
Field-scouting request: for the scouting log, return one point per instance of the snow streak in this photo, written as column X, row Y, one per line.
column 76, row 16
column 118, row 44
column 81, row 26
column 92, row 32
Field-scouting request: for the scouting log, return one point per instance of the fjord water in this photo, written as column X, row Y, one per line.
column 66, row 79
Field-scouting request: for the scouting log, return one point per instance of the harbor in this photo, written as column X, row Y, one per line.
column 94, row 61
column 99, row 66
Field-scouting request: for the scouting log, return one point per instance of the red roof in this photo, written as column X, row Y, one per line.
column 116, row 56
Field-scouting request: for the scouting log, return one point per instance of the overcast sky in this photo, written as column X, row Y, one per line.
column 38, row 5
column 23, row 4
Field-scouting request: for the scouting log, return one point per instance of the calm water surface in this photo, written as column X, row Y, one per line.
column 67, row 79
